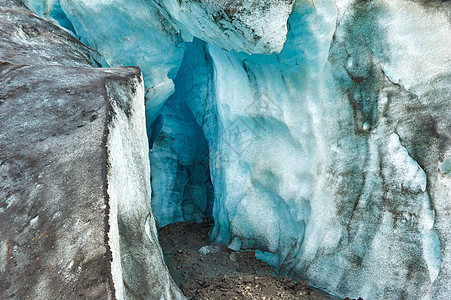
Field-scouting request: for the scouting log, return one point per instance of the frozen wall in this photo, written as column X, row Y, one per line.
column 331, row 156
column 322, row 171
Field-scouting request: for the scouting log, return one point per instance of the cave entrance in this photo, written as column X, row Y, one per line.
column 182, row 190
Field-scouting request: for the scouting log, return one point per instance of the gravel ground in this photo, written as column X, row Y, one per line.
column 212, row 271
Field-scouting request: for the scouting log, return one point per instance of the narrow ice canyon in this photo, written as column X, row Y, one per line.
column 317, row 133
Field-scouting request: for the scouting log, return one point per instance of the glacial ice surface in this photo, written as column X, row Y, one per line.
column 327, row 155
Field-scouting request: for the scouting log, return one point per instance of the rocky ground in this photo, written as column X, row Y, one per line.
column 212, row 271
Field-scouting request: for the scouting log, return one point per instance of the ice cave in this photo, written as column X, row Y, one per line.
column 316, row 133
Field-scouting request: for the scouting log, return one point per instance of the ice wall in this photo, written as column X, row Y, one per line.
column 311, row 158
column 306, row 149
column 331, row 157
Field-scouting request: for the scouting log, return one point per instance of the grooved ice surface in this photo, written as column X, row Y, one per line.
column 331, row 156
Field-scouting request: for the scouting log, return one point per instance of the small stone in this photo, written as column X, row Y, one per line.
column 233, row 256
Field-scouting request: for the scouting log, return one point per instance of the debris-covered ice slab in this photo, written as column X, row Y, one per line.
column 75, row 218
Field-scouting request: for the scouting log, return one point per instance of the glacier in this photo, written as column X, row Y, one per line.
column 317, row 132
